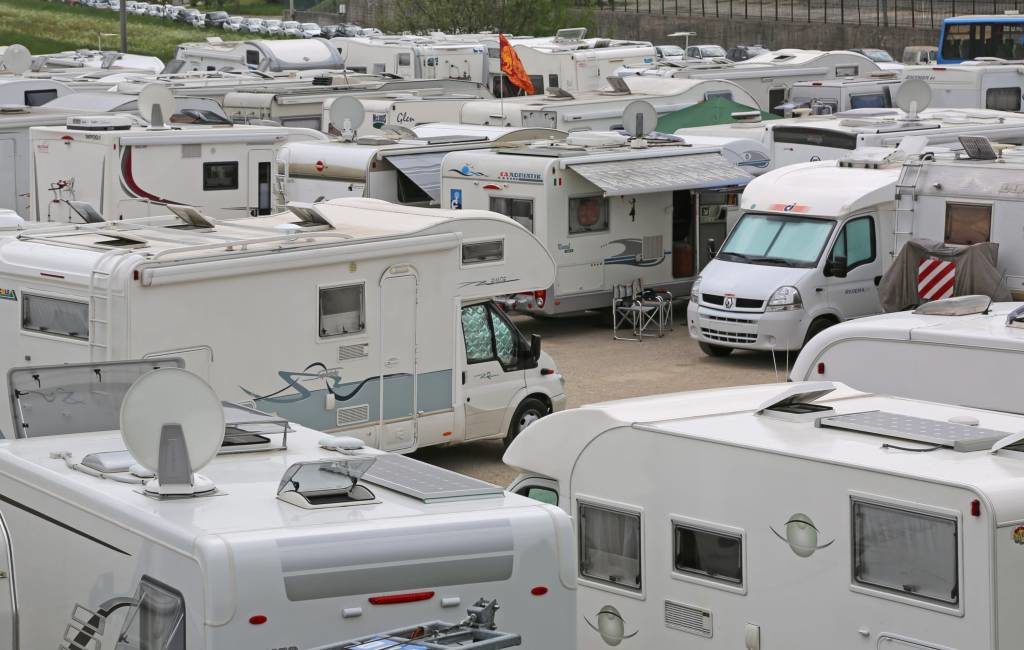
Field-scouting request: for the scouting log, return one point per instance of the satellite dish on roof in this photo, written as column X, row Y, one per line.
column 173, row 424
column 639, row 118
column 346, row 115
column 15, row 59
column 156, row 104
column 914, row 95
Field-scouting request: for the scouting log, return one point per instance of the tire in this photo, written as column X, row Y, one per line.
column 818, row 326
column 715, row 350
column 529, row 411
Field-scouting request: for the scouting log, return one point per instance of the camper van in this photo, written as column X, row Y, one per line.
column 395, row 168
column 992, row 83
column 831, row 96
column 300, row 540
column 770, row 77
column 912, row 353
column 815, row 238
column 608, row 212
column 846, row 538
column 382, row 328
column 263, row 55
column 413, row 57
column 126, row 171
column 600, row 110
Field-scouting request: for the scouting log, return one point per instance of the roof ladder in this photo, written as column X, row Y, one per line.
column 100, row 290
column 906, row 196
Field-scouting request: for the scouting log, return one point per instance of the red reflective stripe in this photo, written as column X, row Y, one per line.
column 395, row 599
column 926, row 268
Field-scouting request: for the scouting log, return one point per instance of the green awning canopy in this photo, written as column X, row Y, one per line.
column 717, row 110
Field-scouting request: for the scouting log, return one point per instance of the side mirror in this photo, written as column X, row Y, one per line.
column 712, row 248
column 535, row 346
column 836, row 267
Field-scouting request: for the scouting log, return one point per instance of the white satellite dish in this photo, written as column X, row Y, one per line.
column 15, row 59
column 639, row 118
column 346, row 115
column 173, row 424
column 914, row 95
column 156, row 104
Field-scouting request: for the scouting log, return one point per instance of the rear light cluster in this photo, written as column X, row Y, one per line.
column 540, row 297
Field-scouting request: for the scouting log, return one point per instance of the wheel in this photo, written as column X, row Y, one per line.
column 715, row 350
column 818, row 326
column 530, row 410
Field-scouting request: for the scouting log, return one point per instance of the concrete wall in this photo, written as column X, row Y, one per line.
column 775, row 35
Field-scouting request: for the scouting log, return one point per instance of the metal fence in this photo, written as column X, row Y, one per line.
column 890, row 13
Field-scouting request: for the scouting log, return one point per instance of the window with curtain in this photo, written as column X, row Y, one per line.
column 55, row 316
column 907, row 552
column 610, row 546
column 708, row 554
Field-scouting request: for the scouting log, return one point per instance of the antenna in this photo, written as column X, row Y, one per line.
column 15, row 59
column 914, row 95
column 639, row 118
column 346, row 115
column 172, row 424
column 156, row 103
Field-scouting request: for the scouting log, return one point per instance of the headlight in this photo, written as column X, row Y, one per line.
column 695, row 290
column 785, row 299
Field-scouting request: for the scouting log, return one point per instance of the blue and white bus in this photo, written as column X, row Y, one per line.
column 968, row 37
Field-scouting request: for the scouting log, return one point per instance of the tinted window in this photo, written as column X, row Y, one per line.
column 403, row 58
column 55, row 316
column 708, row 554
column 519, row 209
column 1003, row 99
column 39, row 97
column 542, row 494
column 342, row 310
column 252, row 57
column 609, row 546
column 814, row 137
column 869, row 100
column 483, row 251
column 220, row 176
column 856, row 242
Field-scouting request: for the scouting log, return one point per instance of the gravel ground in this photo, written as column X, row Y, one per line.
column 598, row 368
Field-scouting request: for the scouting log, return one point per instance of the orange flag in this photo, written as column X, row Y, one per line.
column 513, row 67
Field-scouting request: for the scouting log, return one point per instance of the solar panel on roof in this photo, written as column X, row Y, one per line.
column 426, row 482
column 959, row 437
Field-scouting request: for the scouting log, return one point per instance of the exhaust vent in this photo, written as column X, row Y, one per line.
column 358, row 351
column 353, row 415
column 688, row 619
column 652, row 249
column 191, row 151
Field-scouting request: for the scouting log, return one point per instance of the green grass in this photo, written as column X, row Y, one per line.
column 45, row 27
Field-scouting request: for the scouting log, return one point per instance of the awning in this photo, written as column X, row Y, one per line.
column 649, row 175
column 423, row 169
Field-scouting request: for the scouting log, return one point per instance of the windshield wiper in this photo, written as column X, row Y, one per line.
column 780, row 261
column 739, row 256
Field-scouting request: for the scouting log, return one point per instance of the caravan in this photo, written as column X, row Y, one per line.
column 300, row 540
column 983, row 83
column 413, row 57
column 792, row 516
column 262, row 55
column 352, row 315
column 609, row 212
column 831, row 96
column 128, row 171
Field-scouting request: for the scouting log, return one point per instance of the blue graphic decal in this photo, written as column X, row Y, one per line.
column 466, row 170
column 631, row 254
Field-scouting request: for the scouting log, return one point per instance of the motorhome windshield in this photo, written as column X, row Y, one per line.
column 778, row 240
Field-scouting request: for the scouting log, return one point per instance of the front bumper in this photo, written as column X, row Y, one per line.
column 774, row 330
column 558, row 402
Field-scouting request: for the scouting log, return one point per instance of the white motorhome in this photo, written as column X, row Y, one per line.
column 27, row 91
column 815, row 239
column 831, row 96
column 600, row 110
column 127, row 171
column 847, row 539
column 398, row 169
column 609, row 213
column 413, row 57
column 982, row 83
column 263, row 55
column 912, row 353
column 304, row 541
column 384, row 329
column 98, row 59
column 187, row 109
column 769, row 77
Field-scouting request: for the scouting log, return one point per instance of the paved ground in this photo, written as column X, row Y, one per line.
column 598, row 368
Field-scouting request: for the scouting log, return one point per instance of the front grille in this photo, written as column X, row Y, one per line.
column 741, row 303
column 728, row 337
column 729, row 319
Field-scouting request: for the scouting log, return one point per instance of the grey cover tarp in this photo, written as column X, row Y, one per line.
column 976, row 272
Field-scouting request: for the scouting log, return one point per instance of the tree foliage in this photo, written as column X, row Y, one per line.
column 522, row 17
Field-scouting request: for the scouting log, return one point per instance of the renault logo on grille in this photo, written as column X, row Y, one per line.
column 730, row 300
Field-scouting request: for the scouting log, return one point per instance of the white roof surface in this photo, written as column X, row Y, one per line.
column 552, row 446
column 821, row 189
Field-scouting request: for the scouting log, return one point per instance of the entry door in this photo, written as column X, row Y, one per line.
column 259, row 198
column 9, row 180
column 492, row 376
column 398, row 312
column 8, row 609
column 857, row 293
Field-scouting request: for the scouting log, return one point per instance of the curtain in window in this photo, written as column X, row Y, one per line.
column 610, row 546
column 55, row 316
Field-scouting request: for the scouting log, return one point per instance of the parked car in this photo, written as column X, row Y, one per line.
column 199, row 21
column 216, row 18
column 271, row 27
column 744, row 52
column 330, row 31
column 188, row 16
column 254, row 25
column 706, row 52
column 233, row 24
column 140, row 8
column 920, row 54
column 114, row 5
column 875, row 54
column 171, row 11
column 310, row 30
column 670, row 53
column 291, row 28
column 155, row 10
